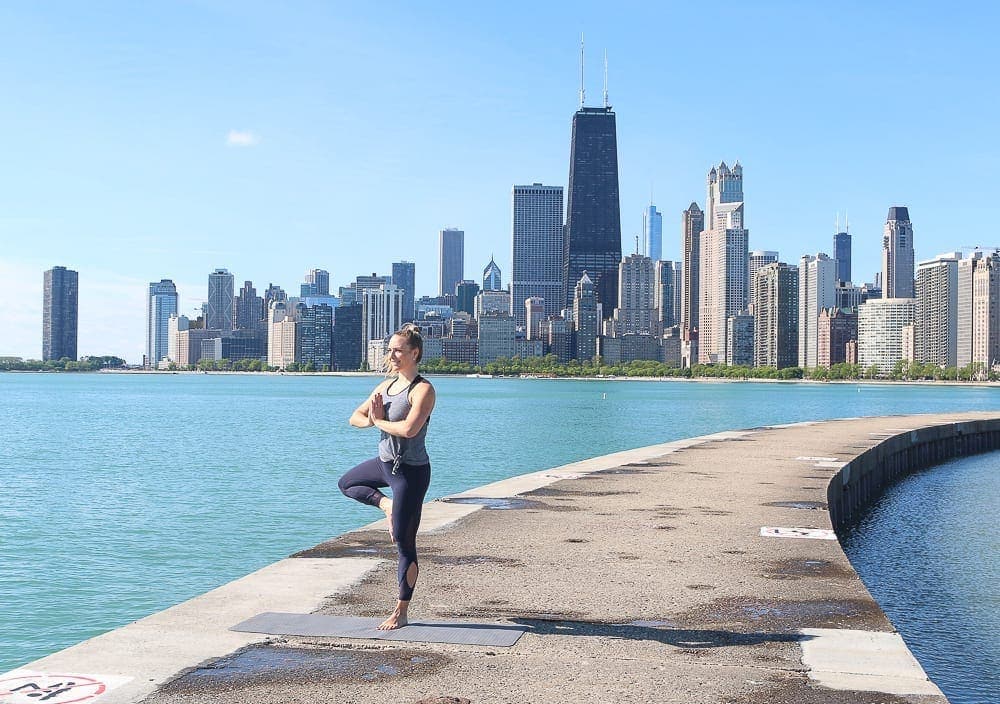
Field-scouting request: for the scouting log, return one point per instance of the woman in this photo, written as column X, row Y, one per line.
column 400, row 407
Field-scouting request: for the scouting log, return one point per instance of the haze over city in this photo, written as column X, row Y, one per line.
column 164, row 142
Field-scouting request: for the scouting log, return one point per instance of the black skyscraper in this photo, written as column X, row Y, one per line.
column 842, row 253
column 60, row 313
column 593, row 236
column 347, row 352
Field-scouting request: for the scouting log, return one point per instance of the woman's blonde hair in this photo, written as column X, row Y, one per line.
column 410, row 333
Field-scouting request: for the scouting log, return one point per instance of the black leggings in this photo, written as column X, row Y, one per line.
column 409, row 485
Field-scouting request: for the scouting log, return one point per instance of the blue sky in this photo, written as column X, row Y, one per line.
column 163, row 140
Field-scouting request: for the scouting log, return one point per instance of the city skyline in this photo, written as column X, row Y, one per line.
column 131, row 171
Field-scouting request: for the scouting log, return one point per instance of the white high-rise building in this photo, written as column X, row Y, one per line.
column 880, row 331
column 986, row 312
column 897, row 255
column 282, row 338
column 755, row 260
column 160, row 305
column 817, row 291
column 635, row 311
column 936, row 326
column 966, row 269
column 382, row 313
column 724, row 256
column 537, row 221
column 534, row 310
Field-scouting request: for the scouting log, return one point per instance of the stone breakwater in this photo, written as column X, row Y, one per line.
column 701, row 570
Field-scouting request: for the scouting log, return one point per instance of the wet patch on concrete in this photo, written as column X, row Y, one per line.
column 651, row 463
column 283, row 666
column 805, row 505
column 444, row 700
column 506, row 503
column 470, row 560
column 549, row 491
column 361, row 544
column 795, row 688
column 734, row 552
column 783, row 615
column 576, row 540
column 794, row 569
column 626, row 556
column 664, row 526
column 699, row 587
column 514, row 615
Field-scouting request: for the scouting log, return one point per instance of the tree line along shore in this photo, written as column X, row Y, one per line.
column 549, row 366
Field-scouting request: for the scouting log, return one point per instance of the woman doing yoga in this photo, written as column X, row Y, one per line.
column 400, row 407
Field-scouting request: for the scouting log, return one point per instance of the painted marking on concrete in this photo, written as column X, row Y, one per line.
column 870, row 661
column 566, row 475
column 831, row 463
column 813, row 533
column 817, row 459
column 25, row 686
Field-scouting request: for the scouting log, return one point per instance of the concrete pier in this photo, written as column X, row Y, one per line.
column 701, row 570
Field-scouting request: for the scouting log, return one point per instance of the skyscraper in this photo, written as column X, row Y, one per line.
column 249, row 308
column 897, row 254
column 842, row 254
column 636, row 299
column 937, row 311
column 652, row 232
column 491, row 277
column 451, row 260
column 317, row 283
column 585, row 318
column 60, row 313
column 966, row 273
column 776, row 316
column 692, row 225
column 817, row 292
column 665, row 293
column 593, row 241
column 537, row 223
column 220, row 301
column 755, row 261
column 880, row 331
column 986, row 311
column 382, row 314
column 723, row 261
column 160, row 305
column 404, row 275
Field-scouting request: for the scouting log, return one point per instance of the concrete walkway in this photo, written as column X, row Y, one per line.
column 640, row 577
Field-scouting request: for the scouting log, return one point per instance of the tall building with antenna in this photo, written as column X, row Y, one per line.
column 593, row 234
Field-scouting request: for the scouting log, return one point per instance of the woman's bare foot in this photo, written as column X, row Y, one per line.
column 386, row 505
column 397, row 619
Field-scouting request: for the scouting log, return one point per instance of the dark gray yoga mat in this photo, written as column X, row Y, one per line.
column 285, row 624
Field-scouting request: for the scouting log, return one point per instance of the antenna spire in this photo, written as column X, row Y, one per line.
column 582, row 91
column 838, row 221
column 847, row 223
column 605, row 78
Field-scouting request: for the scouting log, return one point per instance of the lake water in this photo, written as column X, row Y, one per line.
column 121, row 495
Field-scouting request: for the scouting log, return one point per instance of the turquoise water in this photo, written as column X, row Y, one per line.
column 928, row 551
column 121, row 495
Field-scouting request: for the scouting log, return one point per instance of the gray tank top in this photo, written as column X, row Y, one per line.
column 391, row 448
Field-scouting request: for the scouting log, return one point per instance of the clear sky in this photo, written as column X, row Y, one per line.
column 143, row 141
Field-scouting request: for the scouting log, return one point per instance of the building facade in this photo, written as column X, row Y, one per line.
column 492, row 280
column 986, row 312
column 692, row 225
column 652, row 233
column 161, row 304
column 739, row 340
column 404, row 275
column 936, row 324
column 382, row 313
column 636, row 296
column 880, row 332
column 586, row 322
column 60, row 313
column 346, row 337
column 755, row 260
column 665, row 299
column 249, row 309
column 451, row 260
column 897, row 255
column 817, row 292
column 537, row 224
column 835, row 329
column 842, row 255
column 593, row 217
column 776, row 316
column 496, row 337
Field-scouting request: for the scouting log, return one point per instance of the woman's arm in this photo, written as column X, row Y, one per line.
column 421, row 404
column 361, row 417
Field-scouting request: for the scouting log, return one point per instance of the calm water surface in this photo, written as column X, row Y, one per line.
column 929, row 552
column 121, row 495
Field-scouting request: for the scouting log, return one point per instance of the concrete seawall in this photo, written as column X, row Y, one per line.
column 699, row 570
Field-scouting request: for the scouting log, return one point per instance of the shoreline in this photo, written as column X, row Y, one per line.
column 437, row 375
